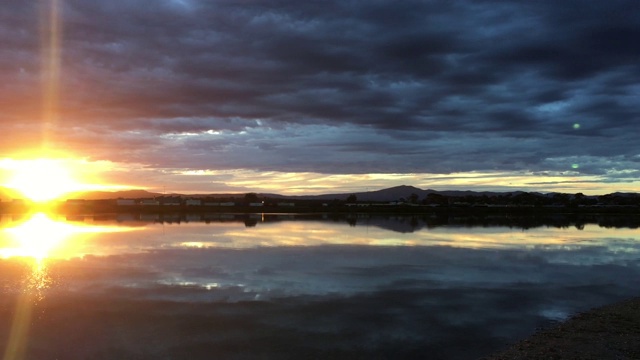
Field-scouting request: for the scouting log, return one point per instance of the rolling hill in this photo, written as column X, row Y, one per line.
column 382, row 195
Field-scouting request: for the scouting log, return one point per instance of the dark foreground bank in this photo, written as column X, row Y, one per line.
column 610, row 332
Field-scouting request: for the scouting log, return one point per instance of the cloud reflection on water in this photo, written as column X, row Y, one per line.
column 315, row 257
column 327, row 286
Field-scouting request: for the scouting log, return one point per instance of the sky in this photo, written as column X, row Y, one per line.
column 326, row 96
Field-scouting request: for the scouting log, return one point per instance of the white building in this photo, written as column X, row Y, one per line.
column 171, row 201
column 193, row 202
column 125, row 202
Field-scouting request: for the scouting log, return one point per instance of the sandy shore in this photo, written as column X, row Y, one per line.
column 609, row 332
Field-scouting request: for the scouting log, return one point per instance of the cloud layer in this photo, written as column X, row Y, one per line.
column 348, row 87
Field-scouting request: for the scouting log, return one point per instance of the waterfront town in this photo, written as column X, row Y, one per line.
column 380, row 201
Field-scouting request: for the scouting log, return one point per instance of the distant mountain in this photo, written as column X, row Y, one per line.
column 621, row 194
column 393, row 194
column 388, row 194
column 383, row 195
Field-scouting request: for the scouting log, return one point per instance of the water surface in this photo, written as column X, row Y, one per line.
column 293, row 286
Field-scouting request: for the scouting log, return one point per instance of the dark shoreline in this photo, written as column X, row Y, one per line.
column 608, row 332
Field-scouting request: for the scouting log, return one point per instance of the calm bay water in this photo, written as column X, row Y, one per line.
column 293, row 286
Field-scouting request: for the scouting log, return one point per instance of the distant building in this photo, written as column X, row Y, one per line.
column 193, row 202
column 256, row 204
column 286, row 204
column 171, row 201
column 149, row 202
column 125, row 202
column 229, row 203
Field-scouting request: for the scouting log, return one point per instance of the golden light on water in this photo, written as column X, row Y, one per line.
column 41, row 237
column 36, row 237
column 38, row 240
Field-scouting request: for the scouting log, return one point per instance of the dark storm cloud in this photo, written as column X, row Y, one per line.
column 349, row 86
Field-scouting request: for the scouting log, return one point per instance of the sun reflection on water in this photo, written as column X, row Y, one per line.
column 36, row 237
column 36, row 242
column 38, row 281
column 40, row 237
column 40, row 240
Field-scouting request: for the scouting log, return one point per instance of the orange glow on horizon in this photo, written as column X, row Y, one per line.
column 42, row 180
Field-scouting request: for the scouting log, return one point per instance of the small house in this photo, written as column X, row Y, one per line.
column 193, row 202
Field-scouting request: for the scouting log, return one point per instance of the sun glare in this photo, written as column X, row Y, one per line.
column 36, row 237
column 41, row 237
column 41, row 180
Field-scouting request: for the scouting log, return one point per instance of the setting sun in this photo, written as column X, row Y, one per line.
column 42, row 179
